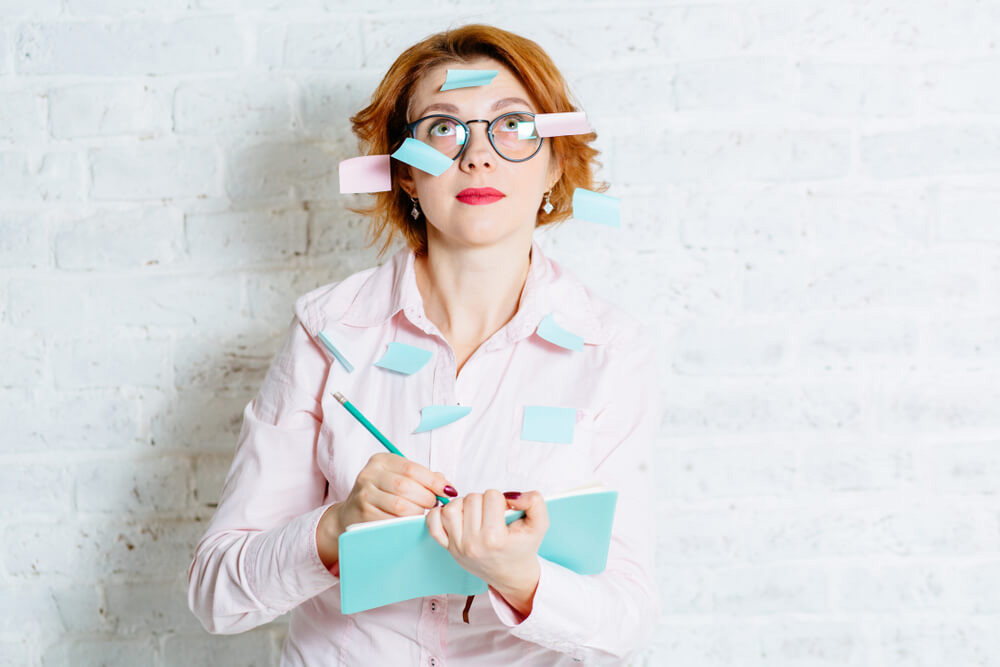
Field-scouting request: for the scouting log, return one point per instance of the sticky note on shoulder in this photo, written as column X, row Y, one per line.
column 468, row 78
column 403, row 358
column 548, row 424
column 337, row 353
column 368, row 173
column 555, row 334
column 596, row 207
column 562, row 124
column 423, row 157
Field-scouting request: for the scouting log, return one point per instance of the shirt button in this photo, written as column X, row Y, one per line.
column 434, row 605
column 433, row 662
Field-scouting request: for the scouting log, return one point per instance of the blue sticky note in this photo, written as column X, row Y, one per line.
column 434, row 416
column 596, row 207
column 467, row 78
column 555, row 334
column 423, row 157
column 548, row 424
column 324, row 338
column 404, row 358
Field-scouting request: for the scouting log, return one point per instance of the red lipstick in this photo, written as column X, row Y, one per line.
column 477, row 196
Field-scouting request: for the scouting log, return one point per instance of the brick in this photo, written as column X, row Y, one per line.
column 153, row 172
column 15, row 651
column 973, row 584
column 112, row 652
column 720, row 642
column 769, row 589
column 323, row 45
column 26, row 358
column 283, row 170
column 209, row 478
column 143, row 608
column 27, row 488
column 48, row 177
column 232, row 364
column 968, row 216
column 128, row 48
column 271, row 295
column 255, row 648
column 54, row 421
column 931, row 151
column 734, row 85
column 327, row 102
column 848, row 219
column 962, row 468
column 13, row 8
column 132, row 487
column 30, row 608
column 24, row 240
column 118, row 8
column 741, row 347
column 121, row 239
column 22, row 116
column 224, row 107
column 964, row 87
column 858, row 89
column 109, row 109
column 927, row 642
column 728, row 471
column 953, row 402
column 847, row 467
column 935, row 527
column 244, row 237
column 743, row 218
column 815, row 642
column 201, row 419
column 111, row 362
column 703, row 537
column 622, row 92
column 964, row 343
column 336, row 231
column 842, row 343
column 890, row 588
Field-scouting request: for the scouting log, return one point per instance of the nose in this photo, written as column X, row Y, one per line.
column 479, row 154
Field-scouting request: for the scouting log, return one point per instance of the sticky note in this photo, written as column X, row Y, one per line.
column 525, row 130
column 435, row 416
column 368, row 173
column 404, row 358
column 555, row 334
column 548, row 424
column 596, row 207
column 324, row 338
column 423, row 157
column 468, row 78
column 562, row 124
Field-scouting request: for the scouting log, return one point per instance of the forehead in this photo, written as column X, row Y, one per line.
column 504, row 85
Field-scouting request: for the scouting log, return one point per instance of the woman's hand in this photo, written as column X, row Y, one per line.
column 505, row 556
column 388, row 486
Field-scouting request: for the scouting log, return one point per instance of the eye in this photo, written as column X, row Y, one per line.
column 442, row 128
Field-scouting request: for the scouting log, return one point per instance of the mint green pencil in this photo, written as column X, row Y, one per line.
column 374, row 431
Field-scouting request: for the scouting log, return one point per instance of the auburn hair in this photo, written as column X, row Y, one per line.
column 381, row 126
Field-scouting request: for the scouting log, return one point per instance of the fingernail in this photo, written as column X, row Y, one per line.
column 511, row 495
column 450, row 491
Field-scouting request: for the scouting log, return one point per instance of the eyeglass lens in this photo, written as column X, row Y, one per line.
column 514, row 135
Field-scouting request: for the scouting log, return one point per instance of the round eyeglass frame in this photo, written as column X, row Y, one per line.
column 412, row 128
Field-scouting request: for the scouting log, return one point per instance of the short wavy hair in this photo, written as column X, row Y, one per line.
column 381, row 126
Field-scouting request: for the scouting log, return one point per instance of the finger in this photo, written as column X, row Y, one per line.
column 405, row 487
column 494, row 519
column 451, row 519
column 536, row 514
column 436, row 528
column 392, row 504
column 472, row 519
column 434, row 482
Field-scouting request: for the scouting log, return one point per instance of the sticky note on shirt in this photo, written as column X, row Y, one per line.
column 435, row 416
column 555, row 334
column 596, row 207
column 327, row 341
column 368, row 173
column 548, row 424
column 562, row 124
column 403, row 358
column 423, row 157
column 468, row 78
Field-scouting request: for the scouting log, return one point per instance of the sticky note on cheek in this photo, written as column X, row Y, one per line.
column 596, row 207
column 548, row 424
column 423, row 157
column 562, row 124
column 368, row 173
column 468, row 78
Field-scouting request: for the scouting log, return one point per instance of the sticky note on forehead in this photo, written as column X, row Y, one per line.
column 468, row 78
column 562, row 124
column 368, row 173
column 596, row 207
column 423, row 157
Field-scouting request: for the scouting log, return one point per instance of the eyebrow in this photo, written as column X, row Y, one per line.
column 451, row 108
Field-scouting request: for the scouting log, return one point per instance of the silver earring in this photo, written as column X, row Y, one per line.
column 548, row 204
column 415, row 213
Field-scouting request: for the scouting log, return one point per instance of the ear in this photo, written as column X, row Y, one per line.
column 555, row 171
column 407, row 183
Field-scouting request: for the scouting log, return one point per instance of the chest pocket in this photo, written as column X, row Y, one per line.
column 551, row 467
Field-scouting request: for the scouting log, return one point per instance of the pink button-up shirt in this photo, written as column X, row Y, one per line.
column 300, row 451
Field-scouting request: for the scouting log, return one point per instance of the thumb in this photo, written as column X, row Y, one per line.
column 536, row 515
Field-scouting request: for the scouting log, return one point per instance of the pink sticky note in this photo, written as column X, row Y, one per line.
column 561, row 124
column 368, row 173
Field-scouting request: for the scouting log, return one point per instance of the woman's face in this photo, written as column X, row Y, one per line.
column 460, row 219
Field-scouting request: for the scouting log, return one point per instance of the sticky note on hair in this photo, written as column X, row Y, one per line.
column 548, row 424
column 403, row 358
column 368, row 173
column 562, row 124
column 468, row 78
column 327, row 341
column 555, row 334
column 436, row 416
column 596, row 207
column 423, row 157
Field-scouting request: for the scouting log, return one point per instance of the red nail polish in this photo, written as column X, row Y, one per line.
column 511, row 495
column 450, row 491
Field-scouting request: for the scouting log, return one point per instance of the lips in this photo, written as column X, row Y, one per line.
column 478, row 196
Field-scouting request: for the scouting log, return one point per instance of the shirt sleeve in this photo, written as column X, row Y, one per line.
column 258, row 558
column 611, row 614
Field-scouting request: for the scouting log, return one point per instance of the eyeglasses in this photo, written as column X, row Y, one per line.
column 512, row 135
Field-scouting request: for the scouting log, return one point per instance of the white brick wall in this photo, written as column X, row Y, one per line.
column 810, row 194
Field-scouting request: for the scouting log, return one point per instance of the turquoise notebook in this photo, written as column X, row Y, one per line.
column 382, row 562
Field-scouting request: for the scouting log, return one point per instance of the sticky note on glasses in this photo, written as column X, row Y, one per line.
column 423, row 157
column 555, row 334
column 368, row 173
column 403, row 358
column 468, row 78
column 324, row 338
column 595, row 207
column 547, row 424
column 436, row 416
column 526, row 130
column 562, row 124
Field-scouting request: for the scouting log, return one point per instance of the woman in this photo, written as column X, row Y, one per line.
column 472, row 289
